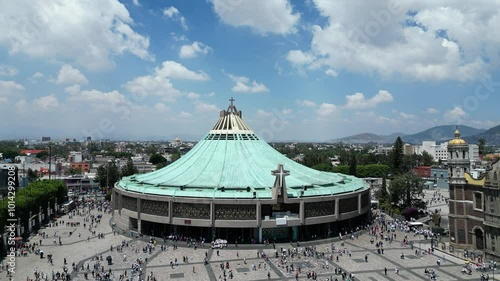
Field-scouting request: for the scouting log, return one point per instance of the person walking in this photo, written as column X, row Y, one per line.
column 385, row 270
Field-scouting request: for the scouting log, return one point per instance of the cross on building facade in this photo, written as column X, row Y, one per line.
column 279, row 184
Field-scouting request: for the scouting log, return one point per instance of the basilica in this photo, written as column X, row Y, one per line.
column 233, row 185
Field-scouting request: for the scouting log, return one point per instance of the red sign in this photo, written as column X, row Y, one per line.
column 187, row 221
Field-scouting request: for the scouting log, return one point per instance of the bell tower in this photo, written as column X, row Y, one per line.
column 458, row 159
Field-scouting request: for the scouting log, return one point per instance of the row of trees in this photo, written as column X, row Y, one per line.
column 363, row 171
column 403, row 195
column 30, row 198
column 107, row 175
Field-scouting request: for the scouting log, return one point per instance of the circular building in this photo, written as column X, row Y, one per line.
column 233, row 185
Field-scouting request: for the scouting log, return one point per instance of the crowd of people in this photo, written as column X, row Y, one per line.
column 62, row 270
column 290, row 260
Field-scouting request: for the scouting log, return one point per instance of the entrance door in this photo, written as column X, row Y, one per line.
column 479, row 239
column 278, row 234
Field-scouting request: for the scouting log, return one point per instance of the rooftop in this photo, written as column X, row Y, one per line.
column 232, row 162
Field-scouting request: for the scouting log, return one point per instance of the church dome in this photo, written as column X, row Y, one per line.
column 457, row 140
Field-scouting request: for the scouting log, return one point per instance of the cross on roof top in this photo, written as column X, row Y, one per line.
column 231, row 107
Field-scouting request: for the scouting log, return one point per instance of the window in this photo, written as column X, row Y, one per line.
column 461, row 236
column 478, row 201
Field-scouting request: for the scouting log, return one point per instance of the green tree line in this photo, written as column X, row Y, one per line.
column 363, row 171
column 30, row 198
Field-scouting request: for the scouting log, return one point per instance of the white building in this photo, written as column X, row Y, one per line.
column 474, row 152
column 75, row 156
column 440, row 151
column 437, row 151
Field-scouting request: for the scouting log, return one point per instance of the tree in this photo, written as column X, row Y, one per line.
column 175, row 156
column 372, row 171
column 129, row 169
column 157, row 158
column 427, row 159
column 75, row 171
column 101, row 176
column 481, row 142
column 108, row 195
column 405, row 190
column 41, row 193
column 398, row 157
column 342, row 169
column 32, row 175
column 107, row 175
column 9, row 152
column 322, row 167
column 352, row 164
column 381, row 194
column 161, row 165
column 42, row 154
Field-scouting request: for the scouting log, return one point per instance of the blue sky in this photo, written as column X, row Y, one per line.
column 299, row 70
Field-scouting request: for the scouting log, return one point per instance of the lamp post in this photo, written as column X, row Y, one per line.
column 419, row 246
column 50, row 158
column 107, row 175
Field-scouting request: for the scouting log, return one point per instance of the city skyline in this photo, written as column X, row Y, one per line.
column 313, row 70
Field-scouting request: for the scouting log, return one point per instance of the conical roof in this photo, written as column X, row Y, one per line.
column 233, row 159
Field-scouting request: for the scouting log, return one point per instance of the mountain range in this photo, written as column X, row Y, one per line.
column 438, row 134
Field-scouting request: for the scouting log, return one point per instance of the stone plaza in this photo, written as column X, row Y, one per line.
column 242, row 262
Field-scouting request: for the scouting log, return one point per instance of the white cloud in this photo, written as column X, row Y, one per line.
column 287, row 111
column 326, row 110
column 70, row 75
column 457, row 114
column 174, row 14
column 307, row 103
column 406, row 115
column 21, row 105
column 152, row 85
column 382, row 119
column 161, row 107
column 243, row 85
column 46, row 103
column 193, row 96
column 37, row 75
column 178, row 38
column 262, row 16
column 193, row 50
column 109, row 104
column 431, row 110
column 358, row 100
column 72, row 90
column 263, row 114
column 8, row 70
column 175, row 70
column 99, row 30
column 437, row 40
column 299, row 58
column 205, row 107
column 158, row 83
column 185, row 115
column 136, row 3
column 331, row 72
column 9, row 88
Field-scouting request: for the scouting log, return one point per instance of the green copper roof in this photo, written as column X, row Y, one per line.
column 231, row 157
